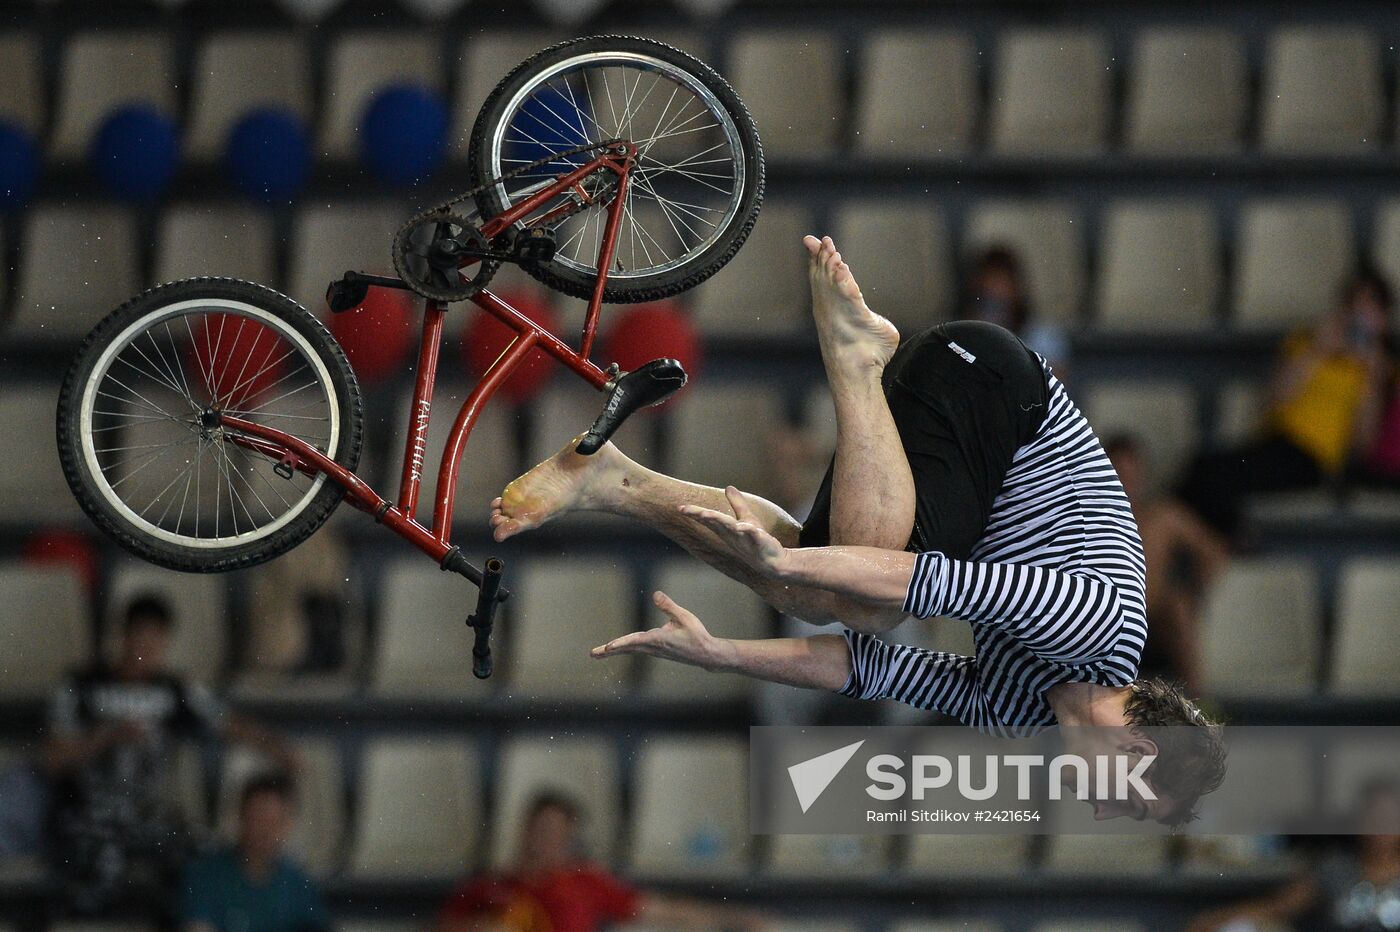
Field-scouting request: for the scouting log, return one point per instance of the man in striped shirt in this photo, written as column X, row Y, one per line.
column 965, row 483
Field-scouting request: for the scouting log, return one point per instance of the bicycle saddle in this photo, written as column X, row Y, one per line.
column 648, row 385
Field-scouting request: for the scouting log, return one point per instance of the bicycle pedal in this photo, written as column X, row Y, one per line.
column 535, row 246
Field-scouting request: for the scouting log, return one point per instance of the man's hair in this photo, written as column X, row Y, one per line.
column 148, row 610
column 1190, row 747
column 550, row 799
column 276, row 782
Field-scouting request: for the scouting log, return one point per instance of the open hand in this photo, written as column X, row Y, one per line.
column 742, row 534
column 682, row 638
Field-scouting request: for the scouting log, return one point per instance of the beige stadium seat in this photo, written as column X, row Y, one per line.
column 236, row 73
column 44, row 631
column 1239, row 413
column 418, row 810
column 705, row 447
column 363, row 63
column 1050, row 93
column 328, row 240
column 184, row 785
column 422, row 647
column 966, row 855
column 1322, row 90
column 568, row 408
column 32, row 487
column 901, row 255
column 1291, row 257
column 1385, row 240
column 232, row 241
column 320, row 821
column 561, row 609
column 1187, row 92
column 583, row 769
column 22, row 94
column 763, row 291
column 791, row 80
column 103, row 71
column 706, row 838
column 1110, row 855
column 199, row 641
column 485, row 60
column 1159, row 266
column 729, row 609
column 1261, row 630
column 833, row 856
column 1161, row 414
column 917, row 95
column 1364, row 662
column 1046, row 236
column 77, row 264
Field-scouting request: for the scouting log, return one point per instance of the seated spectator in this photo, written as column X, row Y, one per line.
column 111, row 730
column 1324, row 409
column 551, row 887
column 1356, row 889
column 994, row 290
column 255, row 885
column 1184, row 556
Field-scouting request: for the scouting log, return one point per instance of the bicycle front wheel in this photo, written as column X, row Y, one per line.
column 140, row 439
column 693, row 195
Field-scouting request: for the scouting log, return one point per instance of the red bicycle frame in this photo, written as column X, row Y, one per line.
column 401, row 517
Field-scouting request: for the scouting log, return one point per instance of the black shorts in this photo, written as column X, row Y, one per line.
column 965, row 396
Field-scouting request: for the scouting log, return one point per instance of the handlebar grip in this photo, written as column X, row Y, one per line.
column 481, row 621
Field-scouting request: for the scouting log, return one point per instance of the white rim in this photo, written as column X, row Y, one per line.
column 126, row 338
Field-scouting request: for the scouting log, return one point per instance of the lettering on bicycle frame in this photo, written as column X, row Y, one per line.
column 420, row 438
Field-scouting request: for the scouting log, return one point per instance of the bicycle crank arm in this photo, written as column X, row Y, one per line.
column 641, row 388
column 481, row 620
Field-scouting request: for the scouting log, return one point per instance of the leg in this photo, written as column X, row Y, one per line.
column 872, row 487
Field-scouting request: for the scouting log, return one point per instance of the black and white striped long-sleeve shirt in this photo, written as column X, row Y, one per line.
column 1054, row 591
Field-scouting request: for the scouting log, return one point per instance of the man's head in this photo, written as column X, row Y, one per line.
column 1129, row 461
column 146, row 629
column 266, row 814
column 551, row 831
column 1190, row 748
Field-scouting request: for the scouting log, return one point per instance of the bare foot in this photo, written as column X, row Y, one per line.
column 850, row 332
column 565, row 482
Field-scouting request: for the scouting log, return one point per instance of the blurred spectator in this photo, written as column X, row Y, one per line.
column 111, row 731
column 551, row 887
column 1325, row 405
column 1380, row 466
column 297, row 608
column 255, row 885
column 1183, row 557
column 1357, row 889
column 994, row 290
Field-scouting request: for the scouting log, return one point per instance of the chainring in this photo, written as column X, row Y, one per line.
column 428, row 252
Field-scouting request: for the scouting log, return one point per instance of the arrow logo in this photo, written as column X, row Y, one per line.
column 811, row 777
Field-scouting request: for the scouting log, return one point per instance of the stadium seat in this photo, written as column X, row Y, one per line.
column 1351, row 765
column 1160, row 414
column 916, row 95
column 791, row 81
column 1364, row 662
column 830, row 856
column 1106, row 854
column 1322, row 90
column 1261, row 630
column 1291, row 258
column 44, row 631
column 421, row 647
column 705, row 447
column 1045, row 235
column 1239, row 413
column 1385, row 240
column 32, row 487
column 729, row 609
column 902, row 258
column 706, row 838
column 22, row 95
column 484, row 61
column 236, row 73
column 561, row 609
column 185, row 785
column 1050, row 93
column 569, row 406
column 418, row 812
column 359, row 65
column 193, row 240
column 1159, row 266
column 936, row 856
column 763, row 291
column 199, row 641
column 583, row 768
column 1187, row 92
column 320, row 790
column 78, row 262
column 103, row 71
column 329, row 239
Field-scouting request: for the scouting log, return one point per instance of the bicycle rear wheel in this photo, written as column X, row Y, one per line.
column 693, row 196
column 139, row 435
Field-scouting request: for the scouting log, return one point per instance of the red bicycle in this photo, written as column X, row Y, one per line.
column 213, row 424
